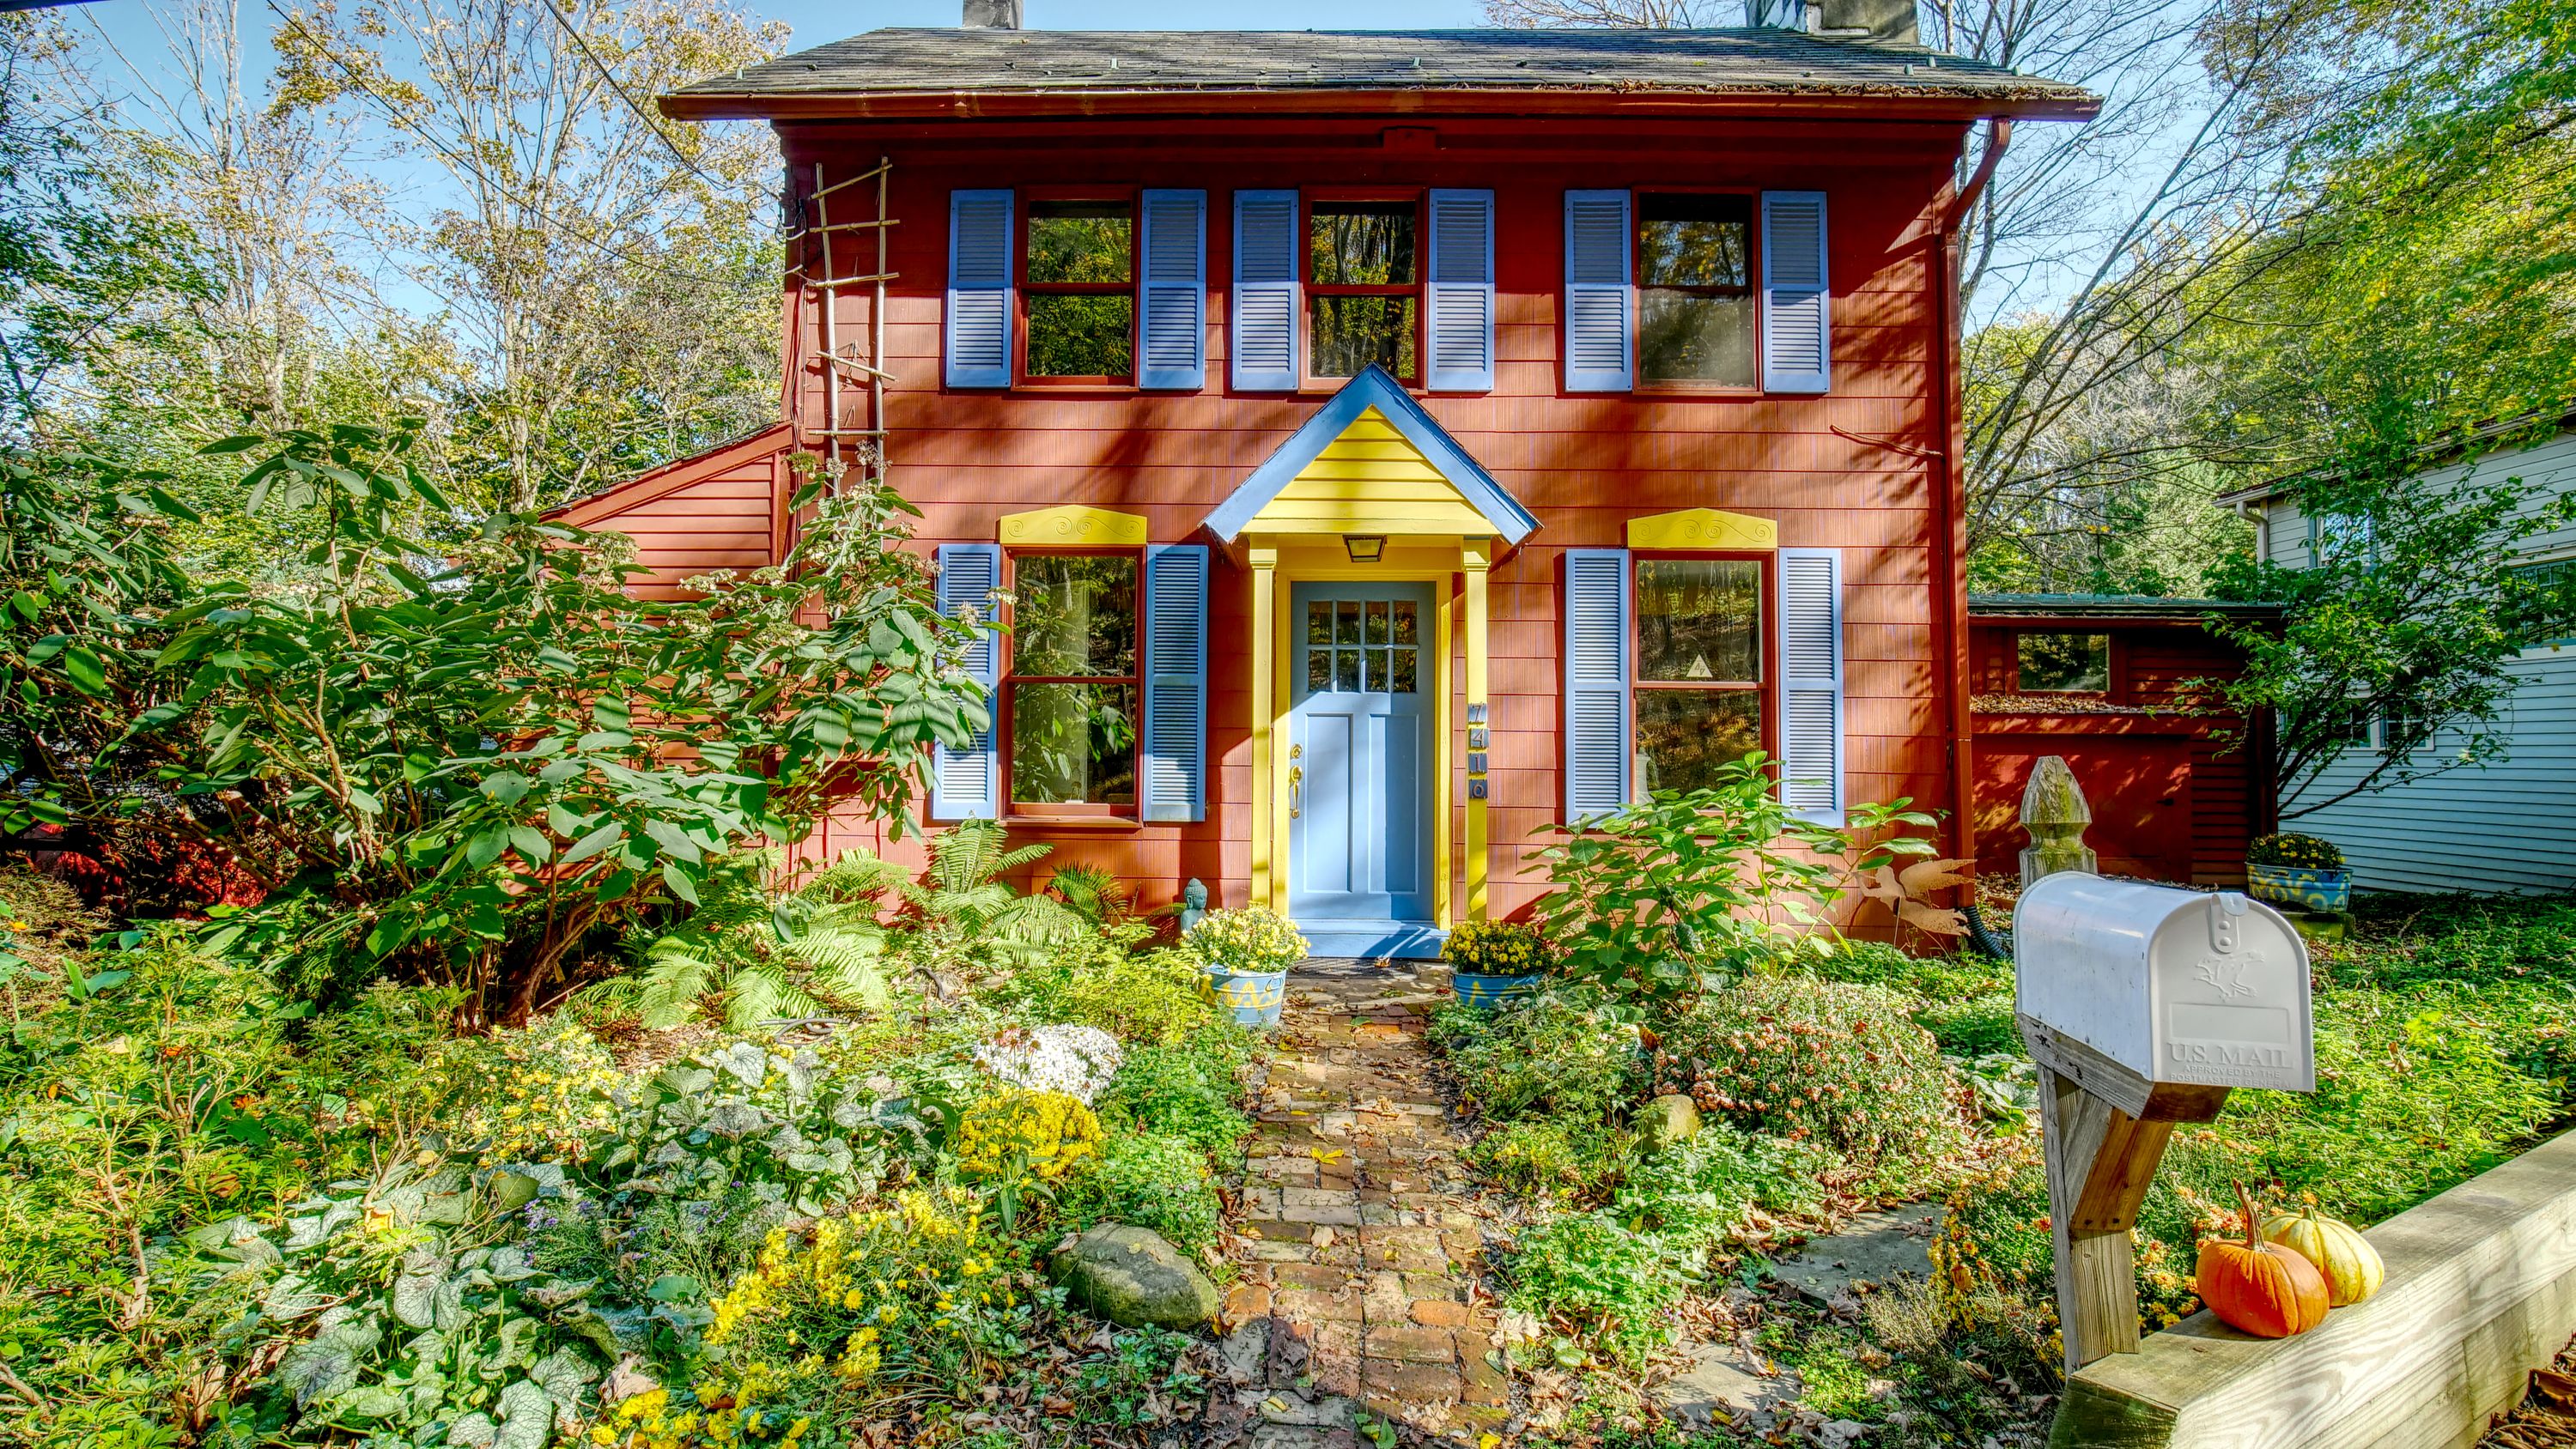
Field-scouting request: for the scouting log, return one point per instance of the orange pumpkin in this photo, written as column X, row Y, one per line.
column 2262, row 1288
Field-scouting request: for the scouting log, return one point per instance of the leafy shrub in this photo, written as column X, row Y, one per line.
column 1964, row 1000
column 1186, row 1090
column 1702, row 1187
column 1147, row 1181
column 2288, row 847
column 1681, row 893
column 1160, row 997
column 1497, row 948
column 1550, row 1156
column 1807, row 1060
column 1251, row 938
column 1568, row 1053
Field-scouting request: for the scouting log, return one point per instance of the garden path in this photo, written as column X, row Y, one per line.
column 1358, row 1246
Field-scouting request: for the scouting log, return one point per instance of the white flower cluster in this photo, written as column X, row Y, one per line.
column 1075, row 1060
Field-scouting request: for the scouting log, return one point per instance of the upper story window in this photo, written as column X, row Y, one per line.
column 1702, row 691
column 1696, row 316
column 1363, row 288
column 1070, row 696
column 1078, row 291
column 2064, row 663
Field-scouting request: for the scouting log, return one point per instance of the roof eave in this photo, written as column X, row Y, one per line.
column 1842, row 103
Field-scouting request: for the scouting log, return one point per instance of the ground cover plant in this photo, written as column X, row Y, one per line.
column 328, row 1224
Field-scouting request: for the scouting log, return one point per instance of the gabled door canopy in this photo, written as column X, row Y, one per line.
column 1383, row 494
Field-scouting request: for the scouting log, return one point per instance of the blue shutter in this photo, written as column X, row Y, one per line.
column 1172, row 775
column 1171, row 297
column 1460, row 297
column 1596, row 681
column 1599, row 302
column 965, row 784
column 979, row 289
column 1262, row 344
column 1797, row 299
column 1811, row 684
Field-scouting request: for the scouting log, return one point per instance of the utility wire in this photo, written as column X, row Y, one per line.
column 583, row 43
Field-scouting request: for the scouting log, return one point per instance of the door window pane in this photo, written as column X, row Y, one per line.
column 1405, row 625
column 2066, row 663
column 1699, row 620
column 1346, row 670
column 1073, row 744
column 1683, row 735
column 1074, row 614
column 1319, row 670
column 1401, row 675
column 1348, row 630
column 1319, row 622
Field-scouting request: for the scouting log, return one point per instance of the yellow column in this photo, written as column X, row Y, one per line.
column 1265, row 610
column 1476, row 557
column 1444, row 729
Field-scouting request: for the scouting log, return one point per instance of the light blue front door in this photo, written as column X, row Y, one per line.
column 1360, row 756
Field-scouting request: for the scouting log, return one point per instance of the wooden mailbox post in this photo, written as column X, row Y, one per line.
column 2143, row 1005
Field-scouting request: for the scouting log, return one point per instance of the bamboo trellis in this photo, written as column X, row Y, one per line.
column 859, row 449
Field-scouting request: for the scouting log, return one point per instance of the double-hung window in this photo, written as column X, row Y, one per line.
column 1078, row 290
column 1364, row 287
column 1071, row 695
column 1702, row 667
column 1696, row 314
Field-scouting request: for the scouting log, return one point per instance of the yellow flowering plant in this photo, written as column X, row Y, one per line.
column 1498, row 948
column 918, row 1293
column 1252, row 938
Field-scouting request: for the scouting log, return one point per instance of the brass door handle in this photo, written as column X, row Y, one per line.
column 1296, row 790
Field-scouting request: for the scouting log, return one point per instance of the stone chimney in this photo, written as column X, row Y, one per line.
column 1005, row 14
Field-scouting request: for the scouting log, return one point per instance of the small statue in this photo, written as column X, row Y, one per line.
column 2054, row 814
column 1193, row 902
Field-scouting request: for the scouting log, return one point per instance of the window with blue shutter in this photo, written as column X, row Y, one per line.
column 1811, row 685
column 1797, row 298
column 965, row 784
column 1600, row 302
column 1461, row 296
column 1261, row 344
column 979, row 289
column 1172, row 782
column 1596, row 681
column 1171, row 298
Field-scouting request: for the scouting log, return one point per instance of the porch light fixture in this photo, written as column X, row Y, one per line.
column 1365, row 547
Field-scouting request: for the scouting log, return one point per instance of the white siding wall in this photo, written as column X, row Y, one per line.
column 2509, row 825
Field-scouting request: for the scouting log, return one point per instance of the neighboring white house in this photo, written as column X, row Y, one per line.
column 2505, row 825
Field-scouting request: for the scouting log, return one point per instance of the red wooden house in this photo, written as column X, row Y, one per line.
column 1387, row 444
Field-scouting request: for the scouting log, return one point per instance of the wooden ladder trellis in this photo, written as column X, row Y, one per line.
column 846, row 449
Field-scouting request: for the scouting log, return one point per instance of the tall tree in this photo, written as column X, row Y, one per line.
column 608, row 272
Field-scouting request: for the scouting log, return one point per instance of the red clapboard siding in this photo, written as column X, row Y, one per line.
column 1859, row 469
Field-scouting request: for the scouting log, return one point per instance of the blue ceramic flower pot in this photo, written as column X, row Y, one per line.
column 1253, row 996
column 1485, row 992
column 2306, row 887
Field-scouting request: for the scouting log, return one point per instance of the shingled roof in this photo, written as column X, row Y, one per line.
column 1029, row 72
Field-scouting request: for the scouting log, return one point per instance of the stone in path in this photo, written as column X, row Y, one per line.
column 1358, row 1250
column 1875, row 1248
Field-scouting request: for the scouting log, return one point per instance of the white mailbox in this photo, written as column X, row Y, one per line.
column 2177, row 986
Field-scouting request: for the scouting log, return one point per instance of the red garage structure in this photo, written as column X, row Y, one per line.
column 2124, row 688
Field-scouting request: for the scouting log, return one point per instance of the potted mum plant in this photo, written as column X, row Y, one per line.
column 2297, row 870
column 1491, row 962
column 1247, row 954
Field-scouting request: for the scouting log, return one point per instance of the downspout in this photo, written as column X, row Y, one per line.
column 1954, row 498
column 2262, row 520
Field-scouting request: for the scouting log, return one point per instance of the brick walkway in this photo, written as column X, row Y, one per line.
column 1359, row 1250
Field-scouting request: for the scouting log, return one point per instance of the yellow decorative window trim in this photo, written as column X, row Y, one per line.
column 1072, row 525
column 1702, row 528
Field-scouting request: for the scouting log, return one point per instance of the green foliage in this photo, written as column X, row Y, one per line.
column 1157, row 998
column 1965, row 1000
column 474, row 746
column 1680, row 893
column 1188, row 1089
column 1570, row 1053
column 1147, row 1180
column 1841, row 1066
column 768, row 957
column 1549, row 1157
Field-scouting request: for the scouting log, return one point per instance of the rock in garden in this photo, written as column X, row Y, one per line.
column 1666, row 1120
column 1133, row 1278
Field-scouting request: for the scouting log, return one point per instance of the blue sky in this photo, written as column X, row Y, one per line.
column 820, row 20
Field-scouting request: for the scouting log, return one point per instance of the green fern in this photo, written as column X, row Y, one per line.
column 1093, row 894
